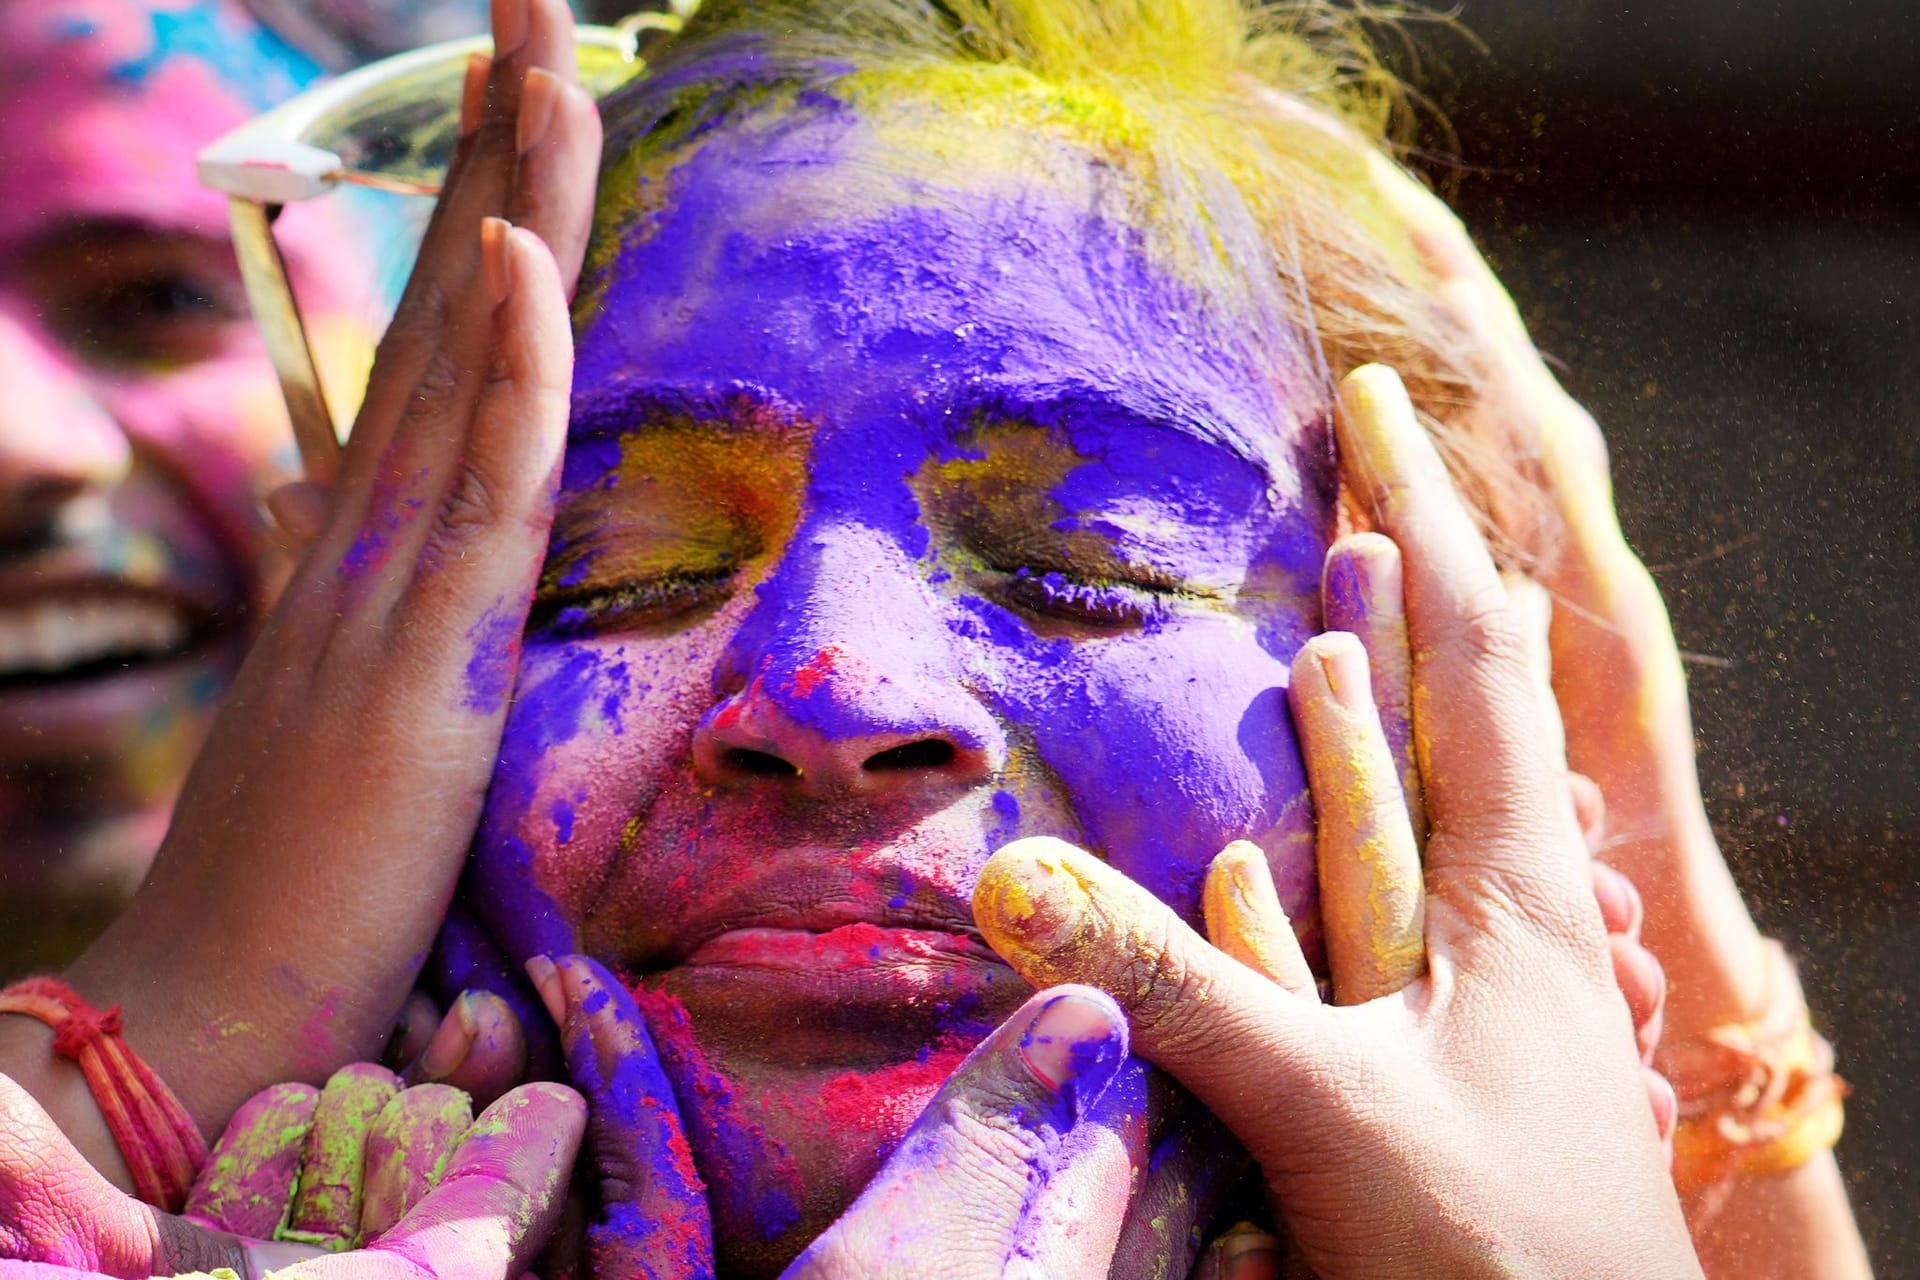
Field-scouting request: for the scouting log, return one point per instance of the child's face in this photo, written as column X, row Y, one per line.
column 910, row 506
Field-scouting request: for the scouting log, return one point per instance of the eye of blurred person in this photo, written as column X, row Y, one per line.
column 122, row 295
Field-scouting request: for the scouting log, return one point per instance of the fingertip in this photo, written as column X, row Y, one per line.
column 496, row 258
column 1074, row 1043
column 473, row 92
column 1027, row 901
column 1621, row 909
column 1589, row 808
column 1244, row 918
column 546, row 980
column 498, row 1056
column 1666, row 1107
column 299, row 510
column 451, row 1043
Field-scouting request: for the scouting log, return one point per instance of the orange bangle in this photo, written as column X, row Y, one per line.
column 1756, row 1097
column 160, row 1141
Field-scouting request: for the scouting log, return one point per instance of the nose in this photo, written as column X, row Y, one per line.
column 56, row 443
column 843, row 681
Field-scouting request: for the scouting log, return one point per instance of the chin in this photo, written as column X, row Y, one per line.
column 801, row 1059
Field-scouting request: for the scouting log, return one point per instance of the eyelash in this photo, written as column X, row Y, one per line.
column 1094, row 602
column 649, row 603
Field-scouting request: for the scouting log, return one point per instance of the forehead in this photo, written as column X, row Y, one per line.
column 859, row 259
column 106, row 102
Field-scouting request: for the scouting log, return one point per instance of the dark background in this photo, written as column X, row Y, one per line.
column 1709, row 212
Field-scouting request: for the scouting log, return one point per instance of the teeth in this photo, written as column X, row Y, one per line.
column 51, row 636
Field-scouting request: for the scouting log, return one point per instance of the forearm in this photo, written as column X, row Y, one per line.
column 1796, row 1226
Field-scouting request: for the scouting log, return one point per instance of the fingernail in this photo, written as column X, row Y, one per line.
column 1619, row 900
column 493, row 255
column 1244, row 1253
column 509, row 26
column 451, row 1043
column 1074, row 1045
column 546, row 980
column 1344, row 664
column 1028, row 899
column 473, row 92
column 538, row 94
column 1666, row 1104
column 1647, row 973
column 1380, row 429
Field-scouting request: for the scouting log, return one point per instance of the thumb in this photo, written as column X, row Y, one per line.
column 55, row 1208
column 970, row 1177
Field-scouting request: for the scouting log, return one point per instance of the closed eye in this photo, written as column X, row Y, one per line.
column 665, row 600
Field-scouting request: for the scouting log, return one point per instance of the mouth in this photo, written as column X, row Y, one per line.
column 910, row 952
column 94, row 631
column 840, row 989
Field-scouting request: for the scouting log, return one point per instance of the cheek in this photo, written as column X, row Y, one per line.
column 219, row 423
column 1169, row 745
column 595, row 730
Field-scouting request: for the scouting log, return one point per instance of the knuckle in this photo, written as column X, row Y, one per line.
column 473, row 505
column 421, row 317
column 1166, row 1000
column 434, row 392
column 1494, row 634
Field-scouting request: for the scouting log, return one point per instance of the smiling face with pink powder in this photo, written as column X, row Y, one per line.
column 915, row 500
column 139, row 425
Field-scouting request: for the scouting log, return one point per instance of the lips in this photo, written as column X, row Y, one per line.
column 82, row 632
column 850, row 946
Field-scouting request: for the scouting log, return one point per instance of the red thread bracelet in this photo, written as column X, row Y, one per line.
column 160, row 1141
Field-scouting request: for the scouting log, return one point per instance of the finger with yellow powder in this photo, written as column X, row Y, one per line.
column 1372, row 900
column 1245, row 919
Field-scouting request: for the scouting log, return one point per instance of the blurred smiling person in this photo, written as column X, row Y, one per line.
column 140, row 426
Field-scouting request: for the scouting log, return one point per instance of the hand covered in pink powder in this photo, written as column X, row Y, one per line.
column 400, row 1173
column 1490, row 1114
column 317, row 842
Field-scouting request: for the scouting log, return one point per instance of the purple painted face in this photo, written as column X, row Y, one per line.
column 912, row 504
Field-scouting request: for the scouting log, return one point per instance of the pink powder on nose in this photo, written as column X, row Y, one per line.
column 816, row 670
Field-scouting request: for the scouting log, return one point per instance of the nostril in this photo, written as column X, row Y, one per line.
column 927, row 753
column 761, row 764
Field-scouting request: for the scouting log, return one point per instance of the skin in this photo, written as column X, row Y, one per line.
column 837, row 490
column 1511, row 942
column 141, row 427
column 455, row 474
column 1631, row 732
column 506, row 280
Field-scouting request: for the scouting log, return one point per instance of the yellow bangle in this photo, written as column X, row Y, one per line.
column 1756, row 1097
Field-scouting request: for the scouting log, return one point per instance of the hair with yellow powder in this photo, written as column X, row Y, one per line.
column 1282, row 107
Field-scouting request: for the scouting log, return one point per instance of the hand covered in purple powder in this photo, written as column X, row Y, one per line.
column 316, row 844
column 401, row 1180
column 1033, row 1159
column 1491, row 1113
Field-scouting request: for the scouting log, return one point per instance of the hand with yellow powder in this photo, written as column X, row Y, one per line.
column 363, row 1180
column 1763, row 1206
column 1489, row 1117
column 317, row 843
